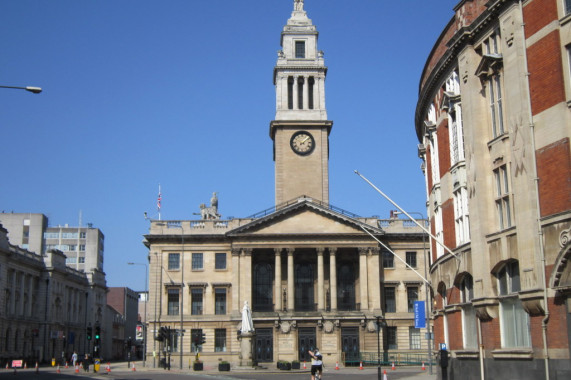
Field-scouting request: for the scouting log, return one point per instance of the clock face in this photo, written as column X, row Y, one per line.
column 302, row 143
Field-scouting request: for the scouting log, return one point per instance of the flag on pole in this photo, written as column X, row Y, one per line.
column 159, row 198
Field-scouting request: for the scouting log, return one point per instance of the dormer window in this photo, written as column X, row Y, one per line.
column 299, row 49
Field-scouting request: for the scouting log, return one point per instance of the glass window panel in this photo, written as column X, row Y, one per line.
column 220, row 261
column 197, row 261
column 174, row 261
column 390, row 300
column 196, row 301
column 220, row 340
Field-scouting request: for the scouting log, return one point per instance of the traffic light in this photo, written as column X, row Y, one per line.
column 203, row 339
column 97, row 332
column 195, row 338
column 88, row 333
column 162, row 335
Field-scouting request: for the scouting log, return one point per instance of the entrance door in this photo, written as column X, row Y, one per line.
column 306, row 342
column 264, row 345
column 350, row 345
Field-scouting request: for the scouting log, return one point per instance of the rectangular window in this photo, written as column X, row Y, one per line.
column 495, row 96
column 469, row 327
column 220, row 301
column 414, row 338
column 174, row 261
column 220, row 261
column 392, row 338
column 196, row 301
column 514, row 323
column 411, row 259
column 220, row 340
column 503, row 208
column 82, row 247
column 173, row 304
column 197, row 261
column 51, row 235
column 299, row 49
column 412, row 297
column 461, row 217
column 388, row 260
column 390, row 299
column 193, row 346
column 82, row 260
column 82, row 235
column 567, row 7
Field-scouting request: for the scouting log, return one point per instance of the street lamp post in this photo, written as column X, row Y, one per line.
column 427, row 306
column 33, row 90
column 145, row 322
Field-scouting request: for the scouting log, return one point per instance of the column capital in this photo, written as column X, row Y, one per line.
column 373, row 251
column 320, row 251
column 363, row 250
column 290, row 251
column 236, row 251
column 332, row 250
column 278, row 251
column 247, row 251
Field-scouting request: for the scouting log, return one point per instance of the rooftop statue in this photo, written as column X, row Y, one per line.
column 298, row 5
column 210, row 213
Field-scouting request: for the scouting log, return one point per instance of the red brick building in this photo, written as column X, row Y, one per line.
column 494, row 123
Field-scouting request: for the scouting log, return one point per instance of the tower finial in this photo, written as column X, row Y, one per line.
column 298, row 5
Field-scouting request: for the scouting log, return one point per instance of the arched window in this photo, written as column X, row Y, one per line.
column 469, row 323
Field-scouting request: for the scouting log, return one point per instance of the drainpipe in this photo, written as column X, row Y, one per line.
column 536, row 180
column 481, row 347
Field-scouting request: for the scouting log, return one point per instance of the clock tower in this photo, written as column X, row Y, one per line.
column 300, row 131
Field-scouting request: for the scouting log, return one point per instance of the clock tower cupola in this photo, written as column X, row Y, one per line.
column 300, row 131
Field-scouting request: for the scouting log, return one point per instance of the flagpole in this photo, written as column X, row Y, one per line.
column 410, row 217
column 159, row 202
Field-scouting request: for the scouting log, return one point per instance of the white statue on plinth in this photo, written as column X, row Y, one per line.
column 247, row 324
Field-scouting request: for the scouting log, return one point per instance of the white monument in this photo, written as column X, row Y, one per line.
column 246, row 335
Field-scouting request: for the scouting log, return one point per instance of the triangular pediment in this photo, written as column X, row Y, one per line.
column 306, row 218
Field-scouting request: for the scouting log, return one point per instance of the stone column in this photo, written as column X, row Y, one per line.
column 363, row 278
column 333, row 278
column 278, row 280
column 320, row 280
column 374, row 279
column 290, row 281
column 235, row 281
column 294, row 91
column 246, row 276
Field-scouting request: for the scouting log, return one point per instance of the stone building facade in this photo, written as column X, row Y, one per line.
column 494, row 127
column 312, row 273
column 45, row 306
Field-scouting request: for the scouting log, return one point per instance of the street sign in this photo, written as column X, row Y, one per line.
column 443, row 346
column 419, row 315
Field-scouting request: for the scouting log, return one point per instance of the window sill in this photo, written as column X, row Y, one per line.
column 198, row 270
column 565, row 19
column 513, row 353
column 466, row 354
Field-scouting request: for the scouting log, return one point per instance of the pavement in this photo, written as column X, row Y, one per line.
column 404, row 373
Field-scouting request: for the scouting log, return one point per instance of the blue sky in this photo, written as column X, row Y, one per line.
column 180, row 93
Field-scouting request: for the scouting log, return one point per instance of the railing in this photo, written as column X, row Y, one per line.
column 273, row 209
column 398, row 358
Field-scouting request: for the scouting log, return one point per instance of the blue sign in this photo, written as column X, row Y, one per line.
column 419, row 315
